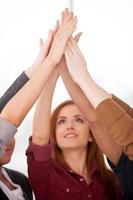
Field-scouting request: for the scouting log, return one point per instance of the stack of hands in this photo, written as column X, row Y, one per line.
column 61, row 48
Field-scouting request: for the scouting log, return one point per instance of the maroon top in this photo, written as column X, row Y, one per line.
column 51, row 181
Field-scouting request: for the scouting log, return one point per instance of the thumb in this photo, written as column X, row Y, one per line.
column 41, row 42
column 77, row 37
column 56, row 26
column 46, row 46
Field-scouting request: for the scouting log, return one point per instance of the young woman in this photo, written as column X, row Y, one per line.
column 71, row 166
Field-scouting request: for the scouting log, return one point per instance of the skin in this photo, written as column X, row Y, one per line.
column 77, row 68
column 5, row 159
column 30, row 92
column 39, row 74
column 73, row 135
column 72, row 129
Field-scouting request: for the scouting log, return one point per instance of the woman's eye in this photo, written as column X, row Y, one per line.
column 61, row 121
column 79, row 120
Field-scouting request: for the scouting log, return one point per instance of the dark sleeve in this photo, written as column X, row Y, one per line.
column 124, row 172
column 13, row 89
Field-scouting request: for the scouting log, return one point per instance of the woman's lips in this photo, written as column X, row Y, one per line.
column 70, row 135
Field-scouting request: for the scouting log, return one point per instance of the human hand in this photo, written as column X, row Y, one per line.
column 44, row 49
column 62, row 66
column 65, row 30
column 75, row 60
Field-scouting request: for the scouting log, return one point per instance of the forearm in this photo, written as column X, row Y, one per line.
column 41, row 121
column 77, row 95
column 17, row 108
column 94, row 93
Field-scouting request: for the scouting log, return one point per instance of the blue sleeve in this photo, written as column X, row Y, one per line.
column 124, row 172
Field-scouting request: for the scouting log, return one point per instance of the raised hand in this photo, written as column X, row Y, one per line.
column 44, row 50
column 62, row 64
column 65, row 30
column 75, row 60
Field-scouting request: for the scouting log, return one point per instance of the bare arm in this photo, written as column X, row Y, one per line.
column 100, row 131
column 41, row 121
column 27, row 74
column 17, row 108
column 76, row 93
column 27, row 96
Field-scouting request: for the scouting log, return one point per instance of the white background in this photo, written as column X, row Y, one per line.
column 107, row 43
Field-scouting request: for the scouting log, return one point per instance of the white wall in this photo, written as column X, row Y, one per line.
column 107, row 44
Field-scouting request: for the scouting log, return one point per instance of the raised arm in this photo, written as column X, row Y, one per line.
column 74, row 90
column 17, row 108
column 41, row 121
column 27, row 74
column 27, row 96
column 75, row 63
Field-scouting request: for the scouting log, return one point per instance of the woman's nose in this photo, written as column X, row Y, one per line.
column 70, row 125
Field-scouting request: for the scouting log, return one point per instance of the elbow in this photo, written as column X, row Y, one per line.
column 13, row 118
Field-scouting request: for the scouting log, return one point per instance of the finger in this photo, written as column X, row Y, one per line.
column 48, row 42
column 70, row 15
column 73, row 47
column 66, row 12
column 73, row 21
column 76, row 48
column 69, row 47
column 71, row 31
column 50, row 37
column 41, row 42
column 56, row 26
column 77, row 37
column 62, row 17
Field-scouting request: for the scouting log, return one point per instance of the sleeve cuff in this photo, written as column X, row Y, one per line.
column 7, row 132
column 120, row 163
column 39, row 153
column 109, row 111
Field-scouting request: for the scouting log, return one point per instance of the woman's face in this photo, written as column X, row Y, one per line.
column 72, row 128
column 8, row 152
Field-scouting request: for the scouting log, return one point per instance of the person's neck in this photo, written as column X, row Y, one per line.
column 76, row 160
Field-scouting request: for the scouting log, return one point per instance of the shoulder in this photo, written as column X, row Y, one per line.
column 16, row 176
column 20, row 179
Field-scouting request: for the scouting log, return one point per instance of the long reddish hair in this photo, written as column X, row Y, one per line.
column 94, row 155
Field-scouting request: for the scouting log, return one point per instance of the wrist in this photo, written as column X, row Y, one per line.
column 50, row 61
column 84, row 79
